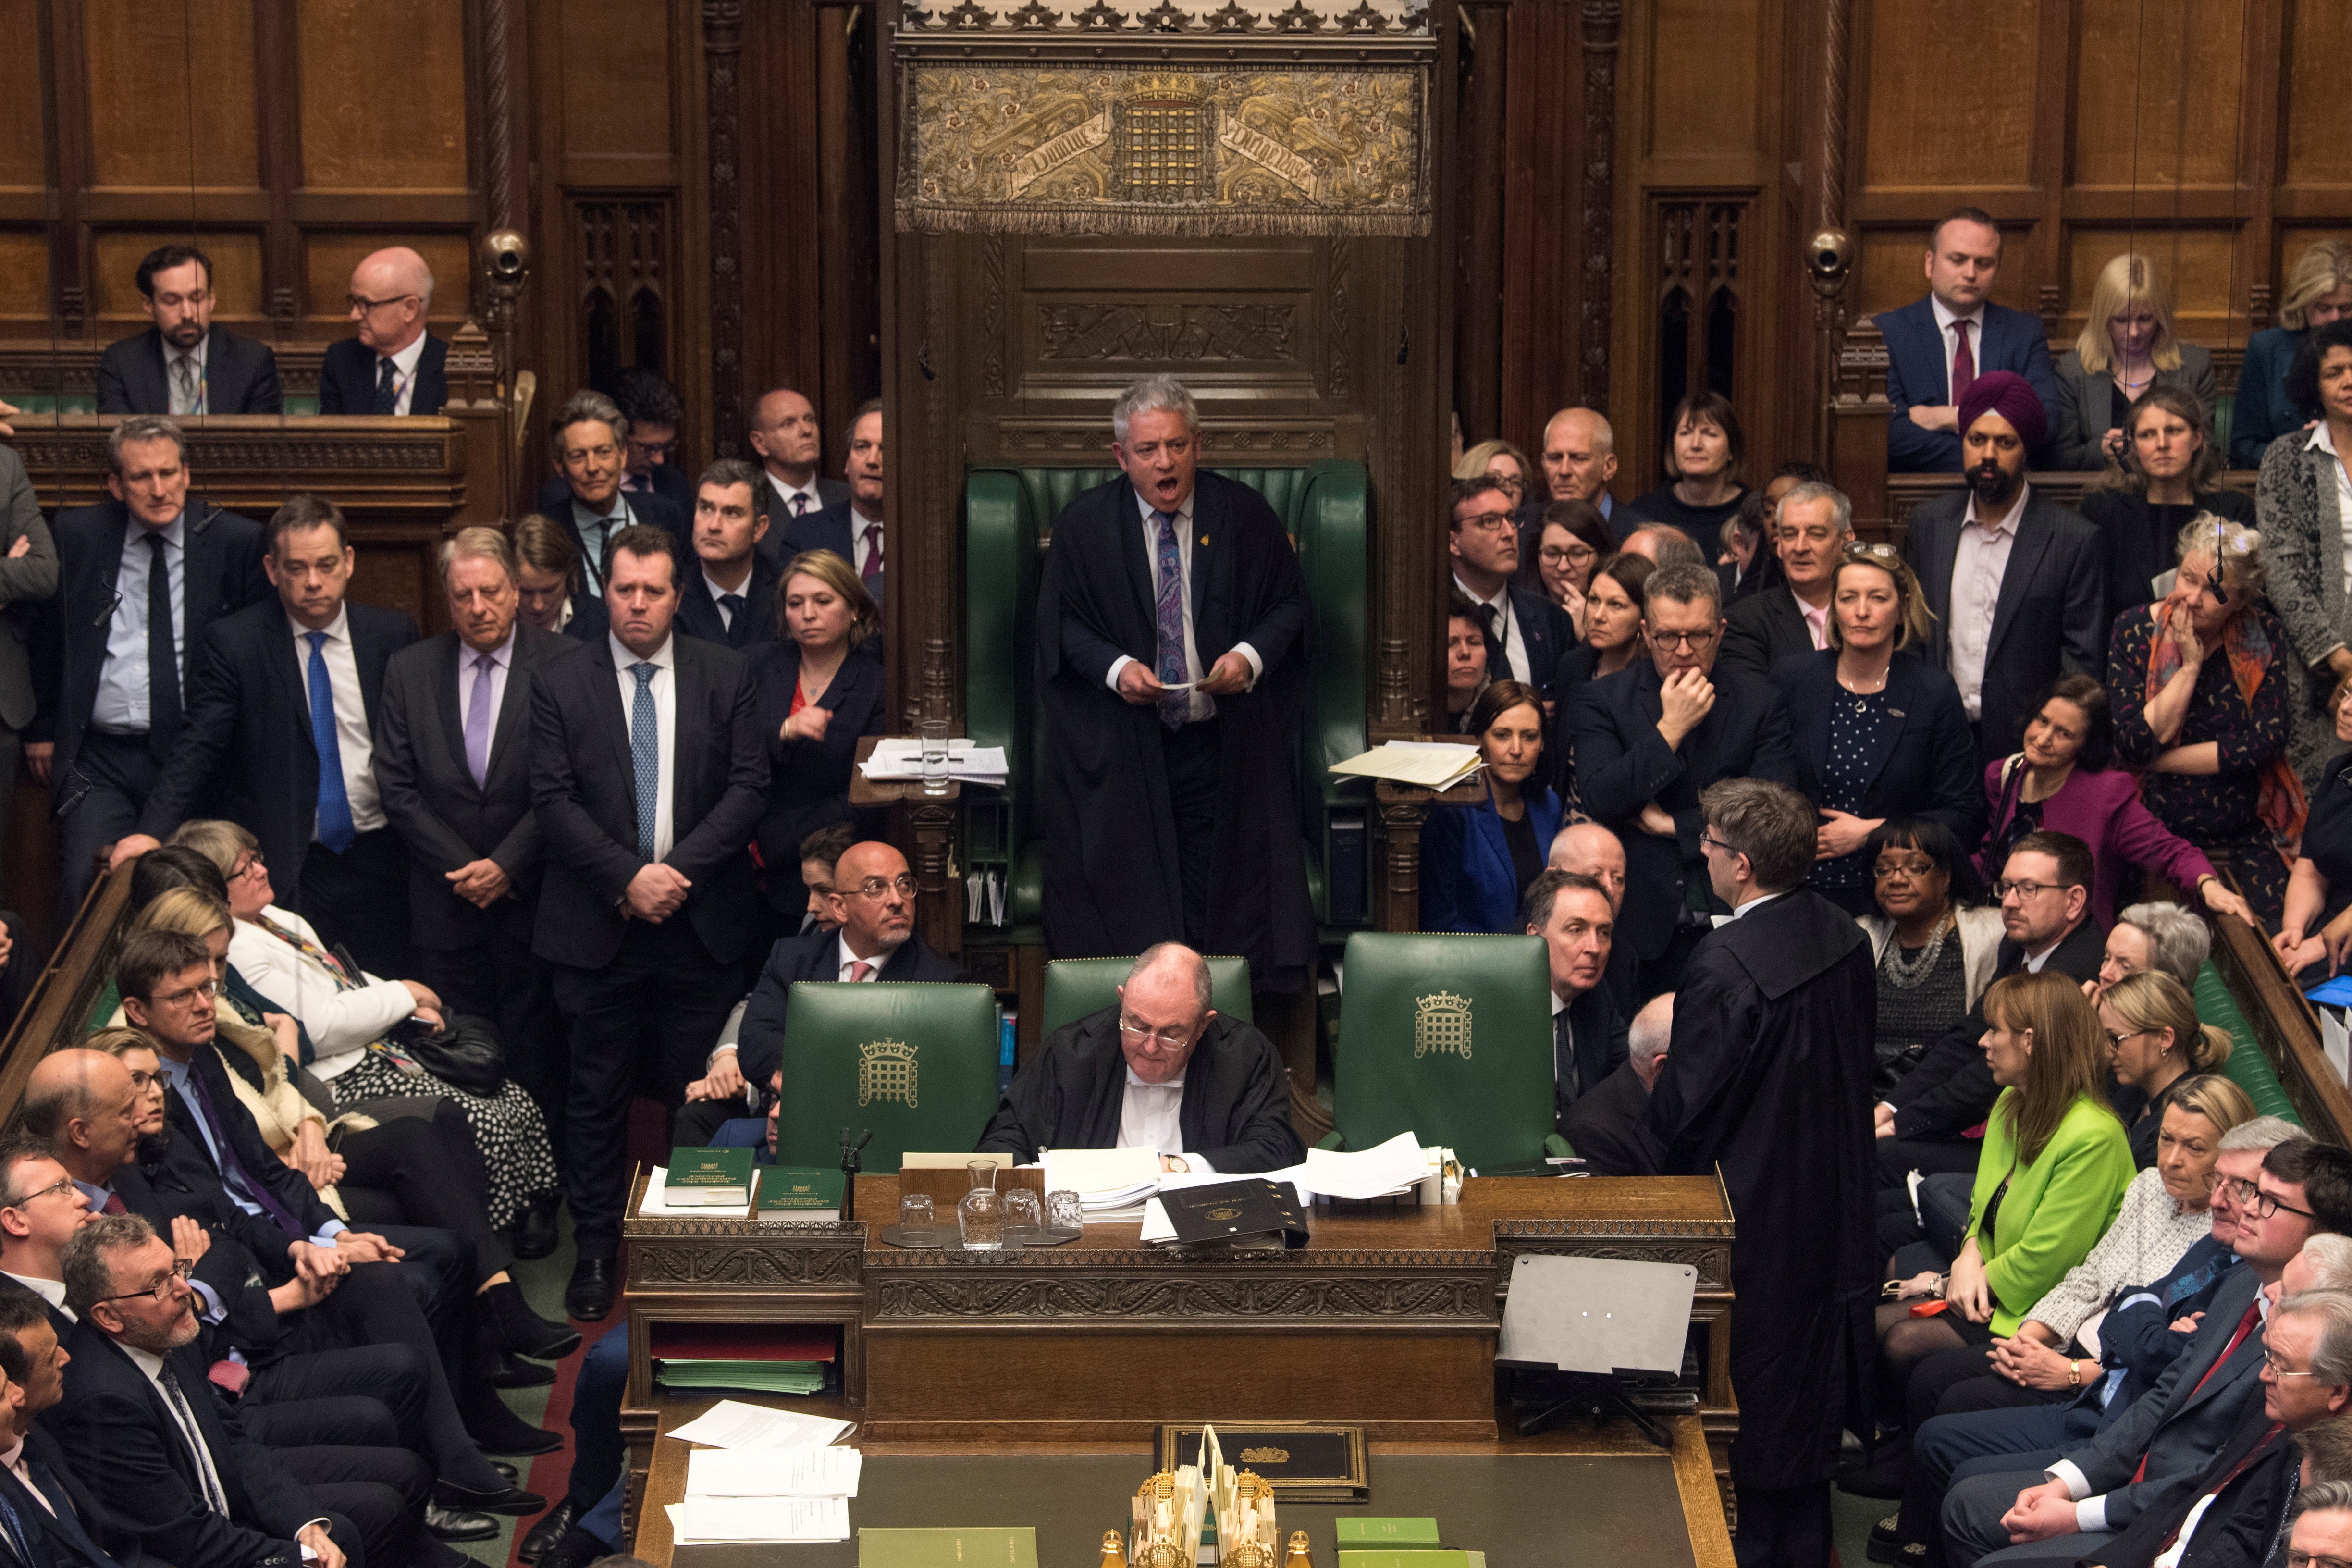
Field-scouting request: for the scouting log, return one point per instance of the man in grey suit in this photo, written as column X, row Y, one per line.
column 29, row 575
column 452, row 771
column 2162, row 1444
column 2017, row 584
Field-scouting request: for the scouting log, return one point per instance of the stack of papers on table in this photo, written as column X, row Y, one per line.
column 731, row 1423
column 1106, row 1179
column 770, row 1477
column 1431, row 765
column 900, row 759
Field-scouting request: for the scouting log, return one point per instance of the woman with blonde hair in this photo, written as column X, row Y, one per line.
column 2153, row 1041
column 547, row 572
column 1504, row 462
column 2127, row 346
column 2318, row 289
column 820, row 691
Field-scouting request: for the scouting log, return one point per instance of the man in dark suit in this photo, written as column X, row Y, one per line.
column 1592, row 850
column 1170, row 814
column 1574, row 916
column 784, row 434
column 731, row 599
column 1814, row 524
column 1649, row 739
column 590, row 437
column 1527, row 636
column 853, row 527
column 1579, row 458
column 646, row 797
column 2152, row 1456
column 55, row 1510
column 282, row 729
column 391, row 364
column 2016, row 585
column 28, row 577
column 871, row 903
column 1610, row 1129
column 181, row 1476
column 143, row 575
column 452, row 770
column 651, row 406
column 183, row 364
column 1936, row 346
column 1160, row 1069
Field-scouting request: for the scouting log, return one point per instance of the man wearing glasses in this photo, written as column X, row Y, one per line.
column 1649, row 739
column 390, row 364
column 870, row 902
column 2323, row 1529
column 1527, row 636
column 1159, row 1069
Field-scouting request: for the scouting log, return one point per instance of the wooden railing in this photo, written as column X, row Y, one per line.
column 2285, row 1026
column 61, row 998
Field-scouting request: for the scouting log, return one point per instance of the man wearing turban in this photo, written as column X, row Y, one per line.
column 2016, row 581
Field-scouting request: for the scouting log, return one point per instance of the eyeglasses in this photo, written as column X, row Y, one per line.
column 654, row 448
column 1161, row 1039
column 2296, row 1558
column 2264, row 1205
column 1491, row 522
column 1858, row 551
column 1507, row 482
column 247, row 867
column 1555, row 555
column 64, row 1185
column 2115, row 1041
column 1693, row 641
column 362, row 303
column 2278, row 1368
column 162, row 1289
column 2002, row 889
column 1922, row 867
column 875, row 887
column 1706, row 838
column 186, row 995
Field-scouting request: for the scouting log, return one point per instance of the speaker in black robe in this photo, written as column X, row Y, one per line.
column 1767, row 1081
column 1235, row 1113
column 1113, row 885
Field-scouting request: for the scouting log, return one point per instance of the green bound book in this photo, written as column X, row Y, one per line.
column 1383, row 1557
column 788, row 1191
column 715, row 1178
column 1359, row 1529
column 994, row 1546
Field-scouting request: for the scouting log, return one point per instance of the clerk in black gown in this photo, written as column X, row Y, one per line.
column 1158, row 1070
column 1172, row 816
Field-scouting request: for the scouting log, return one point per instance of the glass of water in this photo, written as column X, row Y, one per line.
column 980, row 1217
column 1065, row 1212
column 934, row 733
column 1023, row 1215
column 917, row 1219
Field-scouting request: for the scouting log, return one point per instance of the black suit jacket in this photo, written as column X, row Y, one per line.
column 652, row 509
column 445, row 819
column 1609, row 1127
column 755, row 623
column 833, row 496
column 222, row 574
column 813, row 955
column 1762, row 629
column 72, row 1530
column 1927, row 767
column 1601, row 1046
column 2051, row 618
column 1235, row 1112
column 1622, row 763
column 240, row 375
column 669, row 482
column 288, row 1185
column 114, row 1423
column 347, row 379
column 583, row 791
column 1952, row 1089
column 247, row 735
column 810, row 779
column 2254, row 1479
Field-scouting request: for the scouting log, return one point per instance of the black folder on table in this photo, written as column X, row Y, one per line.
column 1227, row 1211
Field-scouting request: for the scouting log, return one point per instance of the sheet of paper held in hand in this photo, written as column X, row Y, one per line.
column 766, row 1472
column 731, row 1423
column 705, row 1521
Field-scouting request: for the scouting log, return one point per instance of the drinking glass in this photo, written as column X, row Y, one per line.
column 980, row 1217
column 934, row 733
column 1065, row 1212
column 917, row 1219
column 1022, row 1213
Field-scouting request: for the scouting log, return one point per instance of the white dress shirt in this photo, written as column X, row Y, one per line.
column 1201, row 706
column 596, row 530
column 780, row 510
column 844, row 960
column 501, row 662
column 2321, row 441
column 196, row 360
column 1507, row 627
column 353, row 744
column 1152, row 1115
column 121, row 705
column 1944, row 319
column 1977, row 565
column 665, row 695
column 53, row 1291
column 403, row 374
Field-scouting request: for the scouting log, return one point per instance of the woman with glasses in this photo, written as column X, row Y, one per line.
column 1876, row 735
column 2315, row 931
column 2154, row 1040
column 2167, row 470
column 1569, row 542
column 820, row 692
column 1477, row 861
column 1702, row 461
column 2163, row 938
column 2202, row 711
column 1935, row 956
column 1504, row 462
column 2062, row 782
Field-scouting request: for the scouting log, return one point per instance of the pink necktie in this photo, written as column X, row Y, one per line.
column 477, row 722
column 859, row 969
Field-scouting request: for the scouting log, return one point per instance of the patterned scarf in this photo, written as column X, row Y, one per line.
column 2279, row 799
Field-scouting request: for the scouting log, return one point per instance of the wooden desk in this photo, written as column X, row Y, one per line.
column 1386, row 1319
column 924, row 827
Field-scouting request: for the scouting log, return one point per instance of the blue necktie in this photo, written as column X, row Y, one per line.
column 14, row 1529
column 645, row 753
column 68, row 1519
column 335, row 830
column 1175, row 710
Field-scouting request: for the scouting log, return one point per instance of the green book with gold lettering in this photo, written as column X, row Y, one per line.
column 788, row 1191
column 994, row 1546
column 714, row 1178
column 1382, row 1557
column 1362, row 1530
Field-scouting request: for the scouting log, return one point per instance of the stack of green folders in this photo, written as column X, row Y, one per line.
column 1369, row 1542
column 754, row 1358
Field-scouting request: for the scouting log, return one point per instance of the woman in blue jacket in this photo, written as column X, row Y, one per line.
column 2318, row 290
column 1477, row 860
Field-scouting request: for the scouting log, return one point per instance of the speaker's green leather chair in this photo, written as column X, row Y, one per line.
column 914, row 1062
column 1449, row 1038
column 1077, row 986
column 1009, row 513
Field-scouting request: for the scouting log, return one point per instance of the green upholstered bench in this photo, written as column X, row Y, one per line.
column 2248, row 1067
column 1009, row 515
